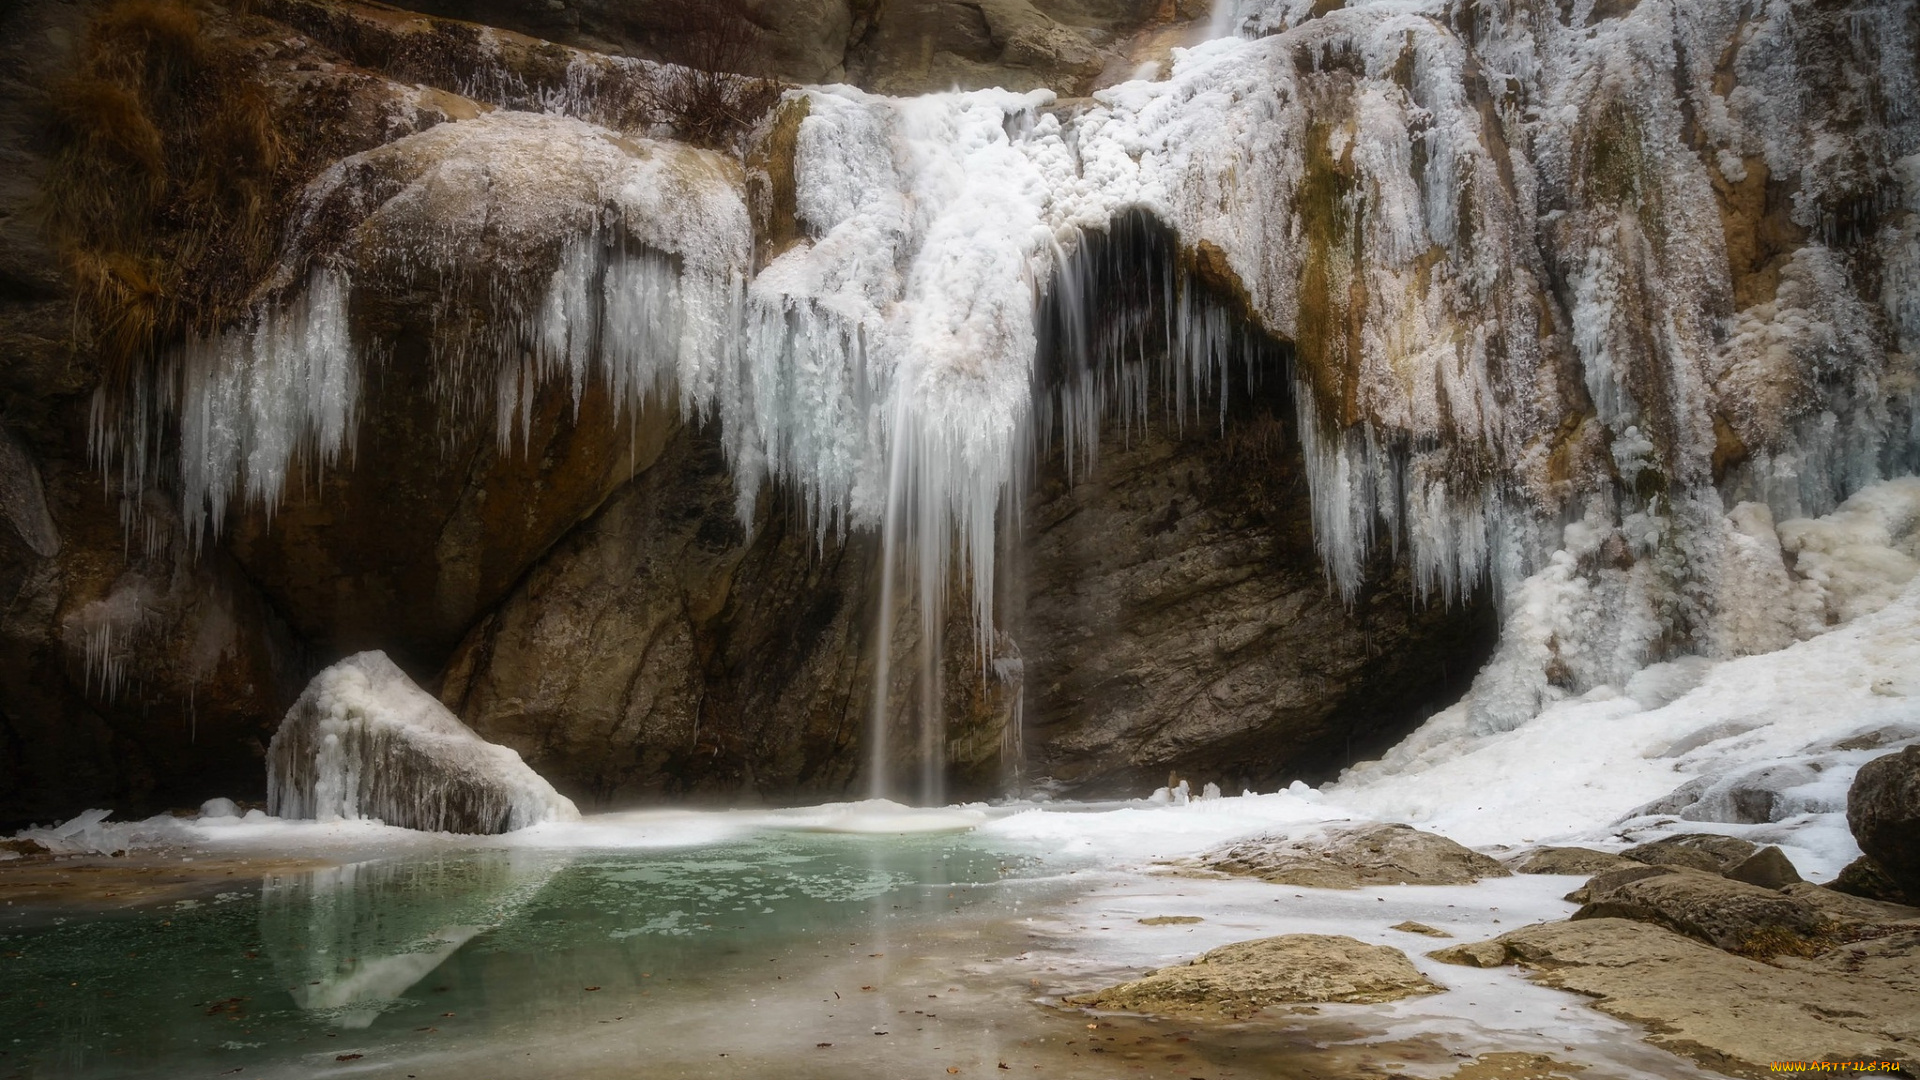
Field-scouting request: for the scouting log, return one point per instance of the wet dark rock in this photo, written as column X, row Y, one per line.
column 138, row 670
column 700, row 660
column 889, row 46
column 1883, row 810
column 1864, row 878
column 1176, row 617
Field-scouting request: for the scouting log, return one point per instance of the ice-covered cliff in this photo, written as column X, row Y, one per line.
column 1559, row 285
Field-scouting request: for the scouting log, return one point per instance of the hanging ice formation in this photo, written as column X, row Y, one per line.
column 1537, row 264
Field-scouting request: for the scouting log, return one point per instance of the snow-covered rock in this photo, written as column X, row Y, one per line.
column 364, row 742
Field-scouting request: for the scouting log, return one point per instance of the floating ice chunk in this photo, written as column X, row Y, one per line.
column 80, row 825
column 90, row 833
column 364, row 742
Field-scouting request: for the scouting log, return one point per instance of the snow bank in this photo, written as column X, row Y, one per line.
column 364, row 742
column 1763, row 746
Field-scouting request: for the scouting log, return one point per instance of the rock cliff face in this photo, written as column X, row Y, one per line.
column 699, row 660
column 892, row 46
column 629, row 407
column 1176, row 617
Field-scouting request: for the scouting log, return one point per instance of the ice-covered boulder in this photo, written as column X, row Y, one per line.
column 364, row 742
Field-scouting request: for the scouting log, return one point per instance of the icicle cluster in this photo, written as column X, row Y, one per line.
column 255, row 399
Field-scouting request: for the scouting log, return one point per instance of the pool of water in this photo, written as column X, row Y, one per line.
column 366, row 961
column 862, row 940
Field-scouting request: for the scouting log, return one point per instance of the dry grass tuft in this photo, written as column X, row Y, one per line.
column 169, row 177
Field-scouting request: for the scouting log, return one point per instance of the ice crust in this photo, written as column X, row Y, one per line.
column 364, row 742
column 1493, row 233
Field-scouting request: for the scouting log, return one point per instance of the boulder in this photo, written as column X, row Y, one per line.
column 1411, row 927
column 1243, row 978
column 1768, row 868
column 364, row 742
column 1883, row 809
column 1863, row 877
column 1710, row 852
column 1474, row 954
column 1727, row 914
column 1354, row 856
column 1566, row 860
column 1731, row 1014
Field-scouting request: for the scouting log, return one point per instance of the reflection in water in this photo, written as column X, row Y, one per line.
column 350, row 941
column 442, row 959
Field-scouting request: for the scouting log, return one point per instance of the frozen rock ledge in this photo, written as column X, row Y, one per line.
column 364, row 742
